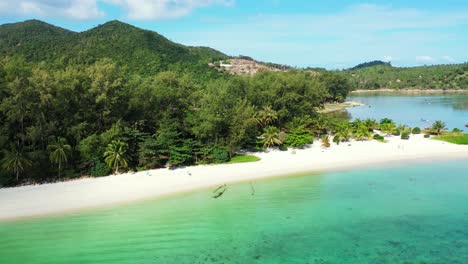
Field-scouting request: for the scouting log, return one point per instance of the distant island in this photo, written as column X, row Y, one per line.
column 382, row 75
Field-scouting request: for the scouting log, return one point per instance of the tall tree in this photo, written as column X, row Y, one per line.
column 59, row 150
column 115, row 155
column 15, row 161
column 270, row 137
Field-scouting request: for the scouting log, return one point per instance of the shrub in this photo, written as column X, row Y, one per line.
column 336, row 140
column 396, row 132
column 283, row 147
column 386, row 121
column 405, row 136
column 298, row 138
column 379, row 138
column 100, row 169
column 456, row 130
column 416, row 130
column 219, row 155
column 427, row 136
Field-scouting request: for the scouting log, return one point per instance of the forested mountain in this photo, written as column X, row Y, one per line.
column 120, row 98
column 370, row 64
column 140, row 51
column 377, row 75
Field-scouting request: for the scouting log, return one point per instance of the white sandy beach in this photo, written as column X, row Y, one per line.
column 37, row 200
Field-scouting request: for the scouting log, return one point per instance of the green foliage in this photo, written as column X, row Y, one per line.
column 427, row 136
column 378, row 138
column 386, row 121
column 219, row 155
column 266, row 116
column 343, row 131
column 405, row 135
column 416, row 130
column 114, row 155
column 16, row 162
column 454, row 138
column 59, row 150
column 130, row 98
column 298, row 137
column 338, row 86
column 362, row 132
column 270, row 137
column 337, row 139
column 371, row 124
column 438, row 127
column 100, row 169
column 243, row 159
column 370, row 64
column 376, row 75
column 142, row 51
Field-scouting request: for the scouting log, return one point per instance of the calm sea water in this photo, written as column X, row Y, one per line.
column 408, row 214
column 411, row 109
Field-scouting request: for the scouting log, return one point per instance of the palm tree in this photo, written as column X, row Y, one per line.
column 325, row 141
column 320, row 125
column 404, row 129
column 371, row 124
column 16, row 162
column 343, row 131
column 388, row 128
column 114, row 155
column 270, row 137
column 266, row 116
column 438, row 126
column 58, row 152
column 362, row 133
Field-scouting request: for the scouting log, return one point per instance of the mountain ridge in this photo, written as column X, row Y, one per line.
column 143, row 51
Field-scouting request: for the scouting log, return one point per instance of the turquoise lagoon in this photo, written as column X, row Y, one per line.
column 414, row 110
column 404, row 214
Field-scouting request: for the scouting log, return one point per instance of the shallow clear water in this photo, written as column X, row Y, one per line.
column 408, row 214
column 410, row 109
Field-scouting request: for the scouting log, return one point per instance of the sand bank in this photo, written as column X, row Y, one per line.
column 328, row 108
column 57, row 198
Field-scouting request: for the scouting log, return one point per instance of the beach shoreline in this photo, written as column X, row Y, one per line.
column 91, row 193
column 410, row 91
column 330, row 108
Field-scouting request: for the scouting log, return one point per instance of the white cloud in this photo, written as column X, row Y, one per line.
column 75, row 9
column 387, row 58
column 87, row 9
column 448, row 58
column 425, row 59
column 163, row 9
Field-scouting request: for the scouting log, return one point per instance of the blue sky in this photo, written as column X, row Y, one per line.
column 332, row 34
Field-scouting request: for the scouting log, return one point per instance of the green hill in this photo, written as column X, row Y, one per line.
column 370, row 64
column 35, row 40
column 141, row 51
column 383, row 75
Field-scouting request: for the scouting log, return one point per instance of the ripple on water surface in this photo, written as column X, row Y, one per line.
column 410, row 214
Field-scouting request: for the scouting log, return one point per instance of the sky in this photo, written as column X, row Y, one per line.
column 332, row 34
